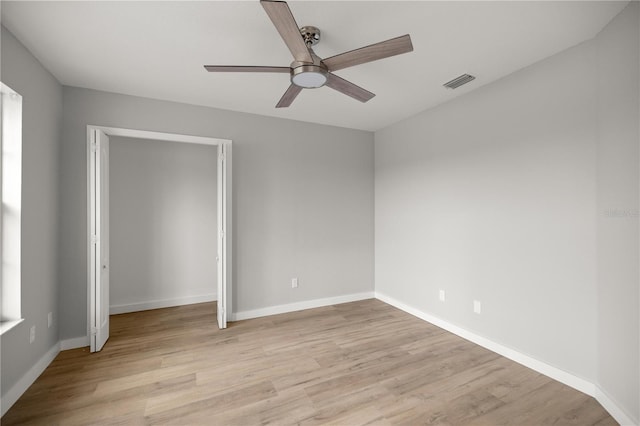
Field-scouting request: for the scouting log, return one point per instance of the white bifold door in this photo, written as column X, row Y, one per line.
column 98, row 165
column 99, row 234
column 223, row 174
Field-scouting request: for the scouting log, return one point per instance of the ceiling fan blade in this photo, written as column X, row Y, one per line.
column 289, row 96
column 384, row 49
column 285, row 23
column 242, row 68
column 348, row 88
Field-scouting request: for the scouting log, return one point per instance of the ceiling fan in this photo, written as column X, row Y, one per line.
column 309, row 71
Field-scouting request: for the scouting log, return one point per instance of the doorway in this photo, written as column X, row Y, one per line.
column 98, row 223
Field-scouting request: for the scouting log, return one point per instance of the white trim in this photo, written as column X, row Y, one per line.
column 74, row 343
column 222, row 250
column 27, row 380
column 614, row 409
column 228, row 230
column 160, row 136
column 11, row 203
column 541, row 367
column 300, row 306
column 157, row 304
column 90, row 218
column 8, row 325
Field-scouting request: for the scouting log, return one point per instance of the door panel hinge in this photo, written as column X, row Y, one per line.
column 94, row 331
column 94, row 239
column 94, row 147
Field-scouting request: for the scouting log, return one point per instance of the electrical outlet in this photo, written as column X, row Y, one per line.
column 49, row 319
column 32, row 334
column 294, row 283
column 442, row 296
column 477, row 307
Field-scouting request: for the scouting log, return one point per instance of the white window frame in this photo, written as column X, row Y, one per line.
column 11, row 209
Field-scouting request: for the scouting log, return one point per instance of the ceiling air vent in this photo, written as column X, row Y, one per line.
column 459, row 81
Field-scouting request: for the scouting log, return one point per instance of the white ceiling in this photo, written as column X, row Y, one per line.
column 157, row 49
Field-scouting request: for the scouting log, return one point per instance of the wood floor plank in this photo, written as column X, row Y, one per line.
column 351, row 364
column 284, row 408
column 202, row 409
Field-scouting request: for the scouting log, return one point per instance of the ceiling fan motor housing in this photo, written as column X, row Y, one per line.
column 309, row 76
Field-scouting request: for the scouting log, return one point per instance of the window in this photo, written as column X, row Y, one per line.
column 11, row 194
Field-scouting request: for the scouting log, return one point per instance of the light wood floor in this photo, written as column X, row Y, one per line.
column 351, row 364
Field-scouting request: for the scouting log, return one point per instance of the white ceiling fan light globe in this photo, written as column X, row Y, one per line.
column 309, row 76
column 309, row 79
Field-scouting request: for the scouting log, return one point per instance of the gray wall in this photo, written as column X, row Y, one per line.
column 163, row 214
column 491, row 197
column 41, row 126
column 618, row 206
column 302, row 197
column 524, row 195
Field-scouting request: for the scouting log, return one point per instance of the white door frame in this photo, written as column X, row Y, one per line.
column 225, row 238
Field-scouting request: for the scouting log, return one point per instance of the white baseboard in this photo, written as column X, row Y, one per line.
column 76, row 342
column 27, row 380
column 157, row 304
column 614, row 409
column 299, row 306
column 541, row 367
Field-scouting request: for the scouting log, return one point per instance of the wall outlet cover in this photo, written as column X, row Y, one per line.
column 442, row 296
column 294, row 283
column 477, row 307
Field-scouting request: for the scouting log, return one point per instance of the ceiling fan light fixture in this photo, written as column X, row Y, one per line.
column 308, row 70
column 309, row 76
